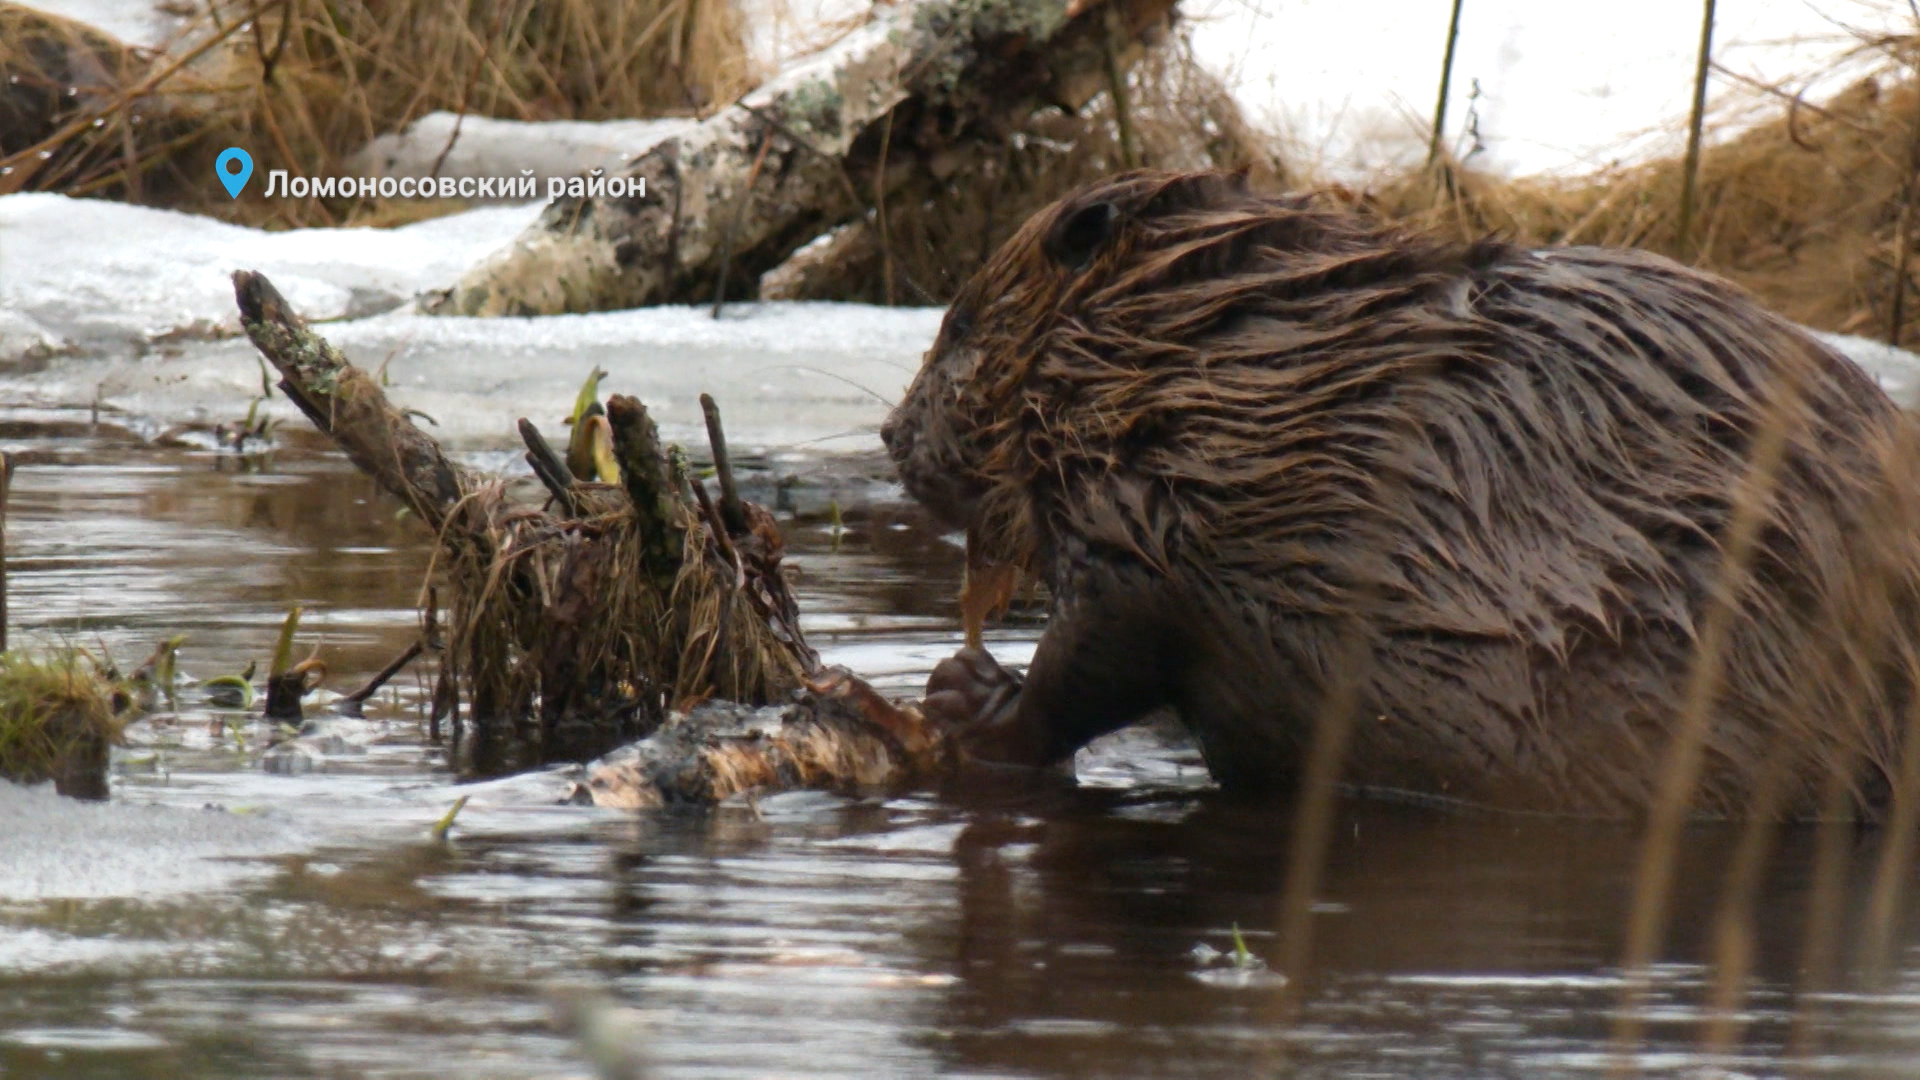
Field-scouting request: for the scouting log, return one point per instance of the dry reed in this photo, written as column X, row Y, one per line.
column 564, row 615
column 1805, row 208
column 305, row 83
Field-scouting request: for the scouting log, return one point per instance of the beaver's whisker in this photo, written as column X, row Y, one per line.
column 846, row 434
column 863, row 388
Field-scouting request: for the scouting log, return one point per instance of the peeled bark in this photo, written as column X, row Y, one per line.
column 840, row 736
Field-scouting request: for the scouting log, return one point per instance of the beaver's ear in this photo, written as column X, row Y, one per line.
column 1075, row 239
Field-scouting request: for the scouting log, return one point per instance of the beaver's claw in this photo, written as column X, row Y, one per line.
column 975, row 699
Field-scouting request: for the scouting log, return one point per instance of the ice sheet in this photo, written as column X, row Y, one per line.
column 139, row 292
column 802, row 377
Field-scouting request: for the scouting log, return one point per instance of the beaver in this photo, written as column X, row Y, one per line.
column 1273, row 456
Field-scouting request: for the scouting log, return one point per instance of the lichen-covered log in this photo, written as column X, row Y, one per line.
column 348, row 405
column 916, row 91
column 820, row 269
column 577, row 625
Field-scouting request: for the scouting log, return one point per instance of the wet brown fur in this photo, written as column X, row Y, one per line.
column 1261, row 428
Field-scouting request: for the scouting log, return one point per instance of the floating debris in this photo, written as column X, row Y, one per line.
column 1238, row 969
column 574, row 626
column 231, row 691
column 842, row 735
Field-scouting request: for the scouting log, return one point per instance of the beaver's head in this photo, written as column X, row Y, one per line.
column 1070, row 289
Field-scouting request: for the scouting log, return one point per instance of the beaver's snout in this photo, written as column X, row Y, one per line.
column 889, row 431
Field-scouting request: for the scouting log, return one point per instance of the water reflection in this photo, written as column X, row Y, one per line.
column 1021, row 929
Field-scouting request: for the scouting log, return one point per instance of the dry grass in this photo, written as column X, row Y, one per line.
column 601, row 623
column 304, row 83
column 1806, row 208
column 642, row 649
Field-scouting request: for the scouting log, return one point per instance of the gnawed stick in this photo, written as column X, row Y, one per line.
column 549, row 468
column 840, row 736
column 594, row 623
column 721, row 540
column 643, row 472
column 730, row 511
column 347, row 404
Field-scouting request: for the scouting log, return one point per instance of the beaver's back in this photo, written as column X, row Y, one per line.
column 1535, row 483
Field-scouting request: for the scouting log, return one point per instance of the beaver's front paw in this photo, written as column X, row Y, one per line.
column 971, row 695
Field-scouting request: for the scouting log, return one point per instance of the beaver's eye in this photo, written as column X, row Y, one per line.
column 959, row 323
column 1076, row 239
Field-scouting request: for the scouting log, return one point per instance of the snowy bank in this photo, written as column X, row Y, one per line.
column 143, row 300
column 1561, row 87
column 96, row 274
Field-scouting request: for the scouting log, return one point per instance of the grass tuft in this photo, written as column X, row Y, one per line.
column 57, row 720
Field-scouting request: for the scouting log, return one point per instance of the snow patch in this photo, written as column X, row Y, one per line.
column 483, row 147
column 24, row 343
column 1561, row 86
column 102, row 273
column 132, row 21
column 1896, row 370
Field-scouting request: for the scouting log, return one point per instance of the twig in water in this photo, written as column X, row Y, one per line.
column 551, row 470
column 733, row 226
column 350, row 705
column 730, row 512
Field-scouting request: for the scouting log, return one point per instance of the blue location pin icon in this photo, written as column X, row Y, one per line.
column 234, row 166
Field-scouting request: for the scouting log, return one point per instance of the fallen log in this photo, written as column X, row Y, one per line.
column 571, row 628
column 911, row 97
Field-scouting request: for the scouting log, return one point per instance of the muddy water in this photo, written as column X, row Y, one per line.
column 219, row 919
